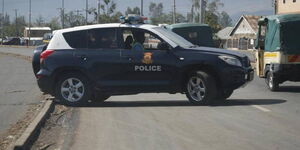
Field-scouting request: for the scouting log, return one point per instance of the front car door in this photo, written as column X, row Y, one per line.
column 146, row 65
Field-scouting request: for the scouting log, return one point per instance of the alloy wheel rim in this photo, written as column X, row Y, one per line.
column 271, row 81
column 196, row 89
column 72, row 89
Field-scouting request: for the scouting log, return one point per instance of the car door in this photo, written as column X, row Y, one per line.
column 146, row 68
column 100, row 57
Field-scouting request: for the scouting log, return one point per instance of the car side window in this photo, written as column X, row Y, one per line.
column 142, row 40
column 93, row 39
column 102, row 38
column 76, row 39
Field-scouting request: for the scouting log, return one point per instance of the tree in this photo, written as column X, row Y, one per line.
column 214, row 18
column 73, row 19
column 156, row 10
column 54, row 23
column 225, row 20
column 135, row 10
column 109, row 15
column 39, row 21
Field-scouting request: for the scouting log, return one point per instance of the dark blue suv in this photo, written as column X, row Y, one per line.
column 97, row 61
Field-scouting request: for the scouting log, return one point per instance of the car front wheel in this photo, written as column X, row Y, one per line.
column 73, row 89
column 201, row 88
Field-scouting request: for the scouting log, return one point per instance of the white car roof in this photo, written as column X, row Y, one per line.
column 109, row 25
column 58, row 41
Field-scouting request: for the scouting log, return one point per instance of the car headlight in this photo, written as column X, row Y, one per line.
column 231, row 60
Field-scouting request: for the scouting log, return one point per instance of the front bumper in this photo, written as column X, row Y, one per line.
column 233, row 78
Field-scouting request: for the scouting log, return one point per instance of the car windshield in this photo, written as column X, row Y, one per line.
column 174, row 37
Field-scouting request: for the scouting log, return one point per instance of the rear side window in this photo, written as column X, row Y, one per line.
column 76, row 39
column 102, row 38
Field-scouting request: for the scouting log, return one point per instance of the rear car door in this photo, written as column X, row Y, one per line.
column 146, row 68
column 99, row 55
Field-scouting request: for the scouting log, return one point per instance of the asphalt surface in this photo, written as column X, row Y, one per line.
column 20, row 51
column 253, row 118
column 18, row 89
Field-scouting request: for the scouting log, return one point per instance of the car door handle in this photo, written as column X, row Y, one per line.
column 129, row 58
column 83, row 57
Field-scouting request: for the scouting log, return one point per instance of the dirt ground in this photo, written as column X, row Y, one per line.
column 55, row 127
column 16, row 130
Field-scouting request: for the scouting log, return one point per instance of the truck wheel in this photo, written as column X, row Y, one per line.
column 73, row 90
column 271, row 82
column 224, row 94
column 201, row 88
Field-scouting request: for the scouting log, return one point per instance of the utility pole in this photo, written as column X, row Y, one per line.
column 16, row 13
column 86, row 12
column 2, row 22
column 142, row 8
column 174, row 12
column 29, row 31
column 200, row 11
column 63, row 13
column 98, row 13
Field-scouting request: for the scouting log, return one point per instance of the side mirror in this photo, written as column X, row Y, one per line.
column 163, row 46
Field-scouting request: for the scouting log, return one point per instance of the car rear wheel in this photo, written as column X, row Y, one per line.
column 100, row 97
column 271, row 82
column 73, row 89
column 201, row 88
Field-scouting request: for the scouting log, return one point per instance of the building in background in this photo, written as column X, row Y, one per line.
column 36, row 34
column 287, row 6
column 243, row 34
column 224, row 36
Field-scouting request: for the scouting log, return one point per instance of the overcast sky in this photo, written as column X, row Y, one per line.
column 49, row 8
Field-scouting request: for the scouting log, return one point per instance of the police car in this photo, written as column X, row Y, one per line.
column 95, row 62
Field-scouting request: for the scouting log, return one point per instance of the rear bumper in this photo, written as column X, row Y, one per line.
column 286, row 72
column 45, row 82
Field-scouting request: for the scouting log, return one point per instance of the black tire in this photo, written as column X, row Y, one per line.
column 101, row 97
column 63, row 90
column 272, row 83
column 195, row 93
column 224, row 94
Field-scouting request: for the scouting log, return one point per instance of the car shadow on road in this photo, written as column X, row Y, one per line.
column 291, row 89
column 184, row 103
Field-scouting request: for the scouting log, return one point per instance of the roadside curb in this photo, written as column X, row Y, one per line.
column 29, row 134
column 17, row 46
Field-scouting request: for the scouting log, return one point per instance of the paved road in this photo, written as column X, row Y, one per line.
column 18, row 90
column 254, row 118
column 20, row 51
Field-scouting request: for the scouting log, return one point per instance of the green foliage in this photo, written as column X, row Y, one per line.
column 135, row 10
column 14, row 28
column 54, row 23
column 39, row 21
column 225, row 20
column 73, row 19
column 109, row 15
column 214, row 18
column 157, row 15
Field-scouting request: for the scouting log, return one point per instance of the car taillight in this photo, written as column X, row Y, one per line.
column 45, row 54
